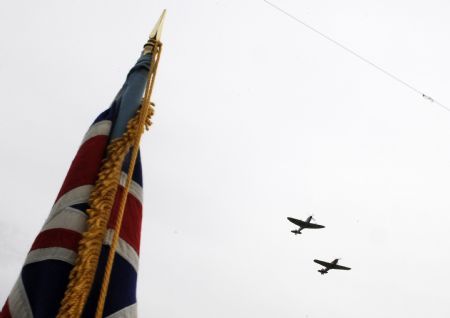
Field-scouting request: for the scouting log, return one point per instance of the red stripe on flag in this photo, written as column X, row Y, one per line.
column 86, row 164
column 5, row 311
column 132, row 219
column 57, row 238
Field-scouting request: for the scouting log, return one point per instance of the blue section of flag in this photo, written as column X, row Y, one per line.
column 137, row 173
column 108, row 114
column 54, row 276
column 131, row 95
column 121, row 292
column 81, row 207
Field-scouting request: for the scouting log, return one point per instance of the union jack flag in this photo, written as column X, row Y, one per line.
column 43, row 279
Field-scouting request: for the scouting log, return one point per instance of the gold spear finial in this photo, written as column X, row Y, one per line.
column 155, row 35
column 157, row 30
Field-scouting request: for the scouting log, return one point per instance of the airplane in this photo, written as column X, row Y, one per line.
column 304, row 225
column 328, row 266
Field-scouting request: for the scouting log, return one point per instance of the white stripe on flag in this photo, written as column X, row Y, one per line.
column 74, row 196
column 127, row 312
column 123, row 249
column 101, row 128
column 51, row 253
column 69, row 219
column 18, row 303
column 135, row 188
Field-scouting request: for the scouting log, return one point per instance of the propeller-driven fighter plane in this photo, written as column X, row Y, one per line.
column 304, row 225
column 328, row 266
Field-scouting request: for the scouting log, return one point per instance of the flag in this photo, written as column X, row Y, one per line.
column 44, row 277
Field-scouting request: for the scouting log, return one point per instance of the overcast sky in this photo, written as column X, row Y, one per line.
column 258, row 118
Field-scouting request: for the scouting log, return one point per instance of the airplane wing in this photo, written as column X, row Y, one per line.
column 313, row 226
column 340, row 267
column 327, row 265
column 297, row 222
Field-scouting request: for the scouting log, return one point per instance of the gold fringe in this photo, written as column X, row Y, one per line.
column 143, row 119
column 101, row 202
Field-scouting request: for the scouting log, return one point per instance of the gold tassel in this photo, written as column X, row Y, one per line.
column 101, row 202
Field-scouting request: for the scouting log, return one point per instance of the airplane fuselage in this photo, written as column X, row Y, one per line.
column 325, row 270
column 299, row 231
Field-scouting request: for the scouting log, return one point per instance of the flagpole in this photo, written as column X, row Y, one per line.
column 153, row 47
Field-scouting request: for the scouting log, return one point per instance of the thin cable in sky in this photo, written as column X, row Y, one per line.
column 425, row 96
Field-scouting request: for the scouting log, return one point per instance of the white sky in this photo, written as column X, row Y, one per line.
column 257, row 119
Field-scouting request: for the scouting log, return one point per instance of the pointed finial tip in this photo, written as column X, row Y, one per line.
column 155, row 35
column 157, row 30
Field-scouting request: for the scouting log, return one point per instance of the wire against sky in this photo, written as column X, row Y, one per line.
column 425, row 96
